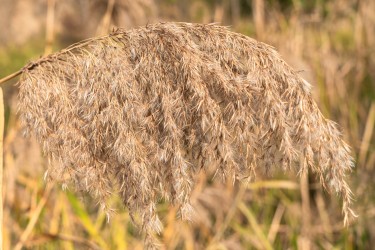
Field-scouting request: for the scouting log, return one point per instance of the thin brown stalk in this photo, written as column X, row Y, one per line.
column 258, row 16
column 367, row 135
column 106, row 20
column 228, row 218
column 275, row 224
column 34, row 218
column 50, row 25
column 51, row 57
column 49, row 236
column 324, row 216
column 235, row 7
column 2, row 117
column 305, row 238
column 11, row 76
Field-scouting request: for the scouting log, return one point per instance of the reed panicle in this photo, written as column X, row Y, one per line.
column 140, row 112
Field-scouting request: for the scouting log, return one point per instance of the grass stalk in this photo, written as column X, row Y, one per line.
column 11, row 76
column 255, row 226
column 34, row 218
column 2, row 118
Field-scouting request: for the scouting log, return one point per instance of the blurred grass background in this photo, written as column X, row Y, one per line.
column 331, row 43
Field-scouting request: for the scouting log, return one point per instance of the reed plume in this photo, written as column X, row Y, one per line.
column 140, row 112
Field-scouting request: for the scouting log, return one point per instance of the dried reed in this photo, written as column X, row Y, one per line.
column 141, row 112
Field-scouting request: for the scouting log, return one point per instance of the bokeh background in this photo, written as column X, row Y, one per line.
column 331, row 43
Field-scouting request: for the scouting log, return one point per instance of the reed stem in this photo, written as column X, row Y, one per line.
column 11, row 76
column 1, row 165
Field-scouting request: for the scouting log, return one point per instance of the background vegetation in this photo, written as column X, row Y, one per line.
column 332, row 44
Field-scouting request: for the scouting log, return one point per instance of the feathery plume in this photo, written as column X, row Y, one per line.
column 140, row 112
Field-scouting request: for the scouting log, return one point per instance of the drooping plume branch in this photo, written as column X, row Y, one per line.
column 153, row 106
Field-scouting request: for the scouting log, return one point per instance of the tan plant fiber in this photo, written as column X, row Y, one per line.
column 140, row 112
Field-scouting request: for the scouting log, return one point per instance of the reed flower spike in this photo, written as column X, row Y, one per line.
column 140, row 112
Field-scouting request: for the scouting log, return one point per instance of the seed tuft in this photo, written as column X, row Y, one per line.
column 140, row 112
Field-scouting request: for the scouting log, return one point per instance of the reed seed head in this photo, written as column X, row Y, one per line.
column 140, row 112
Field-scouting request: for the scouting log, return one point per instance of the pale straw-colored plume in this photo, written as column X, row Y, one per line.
column 140, row 112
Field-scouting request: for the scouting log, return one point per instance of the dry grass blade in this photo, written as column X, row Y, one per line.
column 151, row 107
column 255, row 226
column 71, row 238
column 275, row 225
column 35, row 215
column 367, row 135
